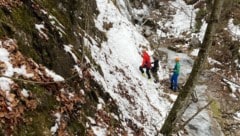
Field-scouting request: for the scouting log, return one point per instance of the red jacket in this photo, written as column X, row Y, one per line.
column 146, row 62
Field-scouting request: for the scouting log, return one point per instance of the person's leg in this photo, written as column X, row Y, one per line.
column 172, row 81
column 175, row 83
column 154, row 73
column 141, row 69
column 156, row 78
column 148, row 73
column 153, row 69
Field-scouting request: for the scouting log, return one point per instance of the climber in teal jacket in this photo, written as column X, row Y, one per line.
column 174, row 78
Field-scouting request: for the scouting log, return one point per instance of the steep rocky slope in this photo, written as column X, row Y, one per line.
column 40, row 36
column 48, row 67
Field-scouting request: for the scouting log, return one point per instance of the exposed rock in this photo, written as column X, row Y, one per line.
column 194, row 42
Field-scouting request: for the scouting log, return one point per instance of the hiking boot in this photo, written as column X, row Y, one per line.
column 156, row 81
column 175, row 90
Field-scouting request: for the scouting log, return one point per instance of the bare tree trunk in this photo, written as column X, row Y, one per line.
column 183, row 98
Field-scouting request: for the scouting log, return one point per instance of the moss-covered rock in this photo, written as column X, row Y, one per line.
column 215, row 108
column 37, row 124
column 64, row 23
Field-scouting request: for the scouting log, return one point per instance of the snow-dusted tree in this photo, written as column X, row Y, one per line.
column 184, row 98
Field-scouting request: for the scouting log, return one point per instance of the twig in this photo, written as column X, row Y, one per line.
column 38, row 82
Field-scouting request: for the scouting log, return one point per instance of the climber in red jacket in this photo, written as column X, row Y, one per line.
column 146, row 63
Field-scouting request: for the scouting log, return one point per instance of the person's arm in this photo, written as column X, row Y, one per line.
column 175, row 68
column 143, row 62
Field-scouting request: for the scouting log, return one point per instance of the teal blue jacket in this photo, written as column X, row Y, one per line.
column 176, row 69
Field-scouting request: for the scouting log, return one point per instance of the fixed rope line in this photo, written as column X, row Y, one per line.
column 38, row 82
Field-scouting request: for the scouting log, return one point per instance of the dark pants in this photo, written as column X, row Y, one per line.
column 154, row 69
column 154, row 73
column 147, row 71
column 174, row 81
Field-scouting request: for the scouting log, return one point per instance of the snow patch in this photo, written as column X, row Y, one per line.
column 57, row 123
column 234, row 29
column 237, row 116
column 68, row 48
column 25, row 93
column 234, row 87
column 55, row 77
column 99, row 131
column 79, row 71
column 212, row 61
column 195, row 52
column 40, row 28
column 182, row 21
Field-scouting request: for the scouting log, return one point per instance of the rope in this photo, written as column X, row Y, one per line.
column 38, row 82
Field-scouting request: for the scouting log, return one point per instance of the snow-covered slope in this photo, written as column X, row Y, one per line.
column 138, row 98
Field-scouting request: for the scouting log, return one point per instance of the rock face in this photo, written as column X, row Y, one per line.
column 39, row 36
column 44, row 44
column 194, row 42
